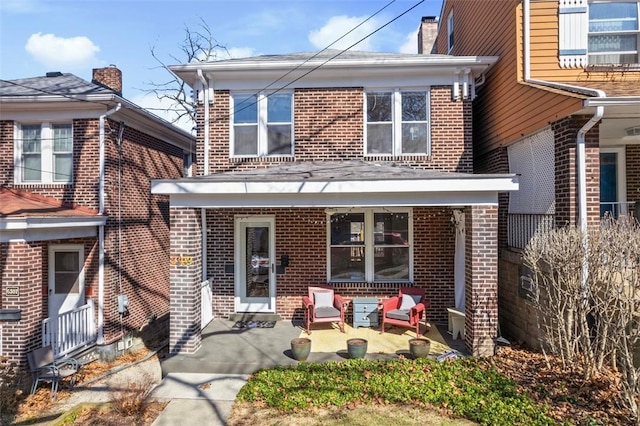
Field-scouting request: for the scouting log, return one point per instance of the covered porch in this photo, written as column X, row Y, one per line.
column 257, row 239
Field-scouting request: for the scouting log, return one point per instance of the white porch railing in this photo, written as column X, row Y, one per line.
column 72, row 330
column 522, row 227
column 615, row 209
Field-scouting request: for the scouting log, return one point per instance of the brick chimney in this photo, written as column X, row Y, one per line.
column 109, row 77
column 427, row 35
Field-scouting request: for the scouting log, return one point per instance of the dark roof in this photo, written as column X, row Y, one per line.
column 58, row 84
column 333, row 170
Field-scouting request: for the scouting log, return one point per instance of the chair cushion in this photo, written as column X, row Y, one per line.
column 327, row 312
column 323, row 299
column 410, row 300
column 400, row 314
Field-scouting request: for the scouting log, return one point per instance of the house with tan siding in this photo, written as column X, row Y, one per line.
column 84, row 255
column 352, row 169
column 561, row 109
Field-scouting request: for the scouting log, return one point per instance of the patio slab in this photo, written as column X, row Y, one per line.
column 228, row 350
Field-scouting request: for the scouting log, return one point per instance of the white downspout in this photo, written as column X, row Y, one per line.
column 205, row 85
column 101, row 249
column 203, row 224
column 580, row 138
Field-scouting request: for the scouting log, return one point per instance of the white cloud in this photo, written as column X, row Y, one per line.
column 337, row 26
column 163, row 108
column 410, row 44
column 68, row 53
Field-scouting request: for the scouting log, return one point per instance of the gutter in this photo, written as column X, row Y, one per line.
column 101, row 249
column 580, row 138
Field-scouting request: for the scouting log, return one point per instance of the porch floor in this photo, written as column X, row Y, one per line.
column 228, row 350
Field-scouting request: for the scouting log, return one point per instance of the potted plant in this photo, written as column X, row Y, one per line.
column 300, row 348
column 419, row 348
column 357, row 348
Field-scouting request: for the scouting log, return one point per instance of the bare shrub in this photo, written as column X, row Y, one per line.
column 587, row 296
column 133, row 400
column 10, row 392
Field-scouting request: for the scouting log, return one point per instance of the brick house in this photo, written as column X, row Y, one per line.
column 78, row 225
column 560, row 108
column 346, row 168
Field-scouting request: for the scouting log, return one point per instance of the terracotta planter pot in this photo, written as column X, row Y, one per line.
column 419, row 348
column 357, row 348
column 300, row 348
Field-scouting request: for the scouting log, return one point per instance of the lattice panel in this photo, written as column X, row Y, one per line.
column 533, row 158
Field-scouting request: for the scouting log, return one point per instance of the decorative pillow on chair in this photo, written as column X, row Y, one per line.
column 323, row 299
column 409, row 301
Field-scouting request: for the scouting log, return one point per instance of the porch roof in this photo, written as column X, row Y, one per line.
column 29, row 216
column 334, row 184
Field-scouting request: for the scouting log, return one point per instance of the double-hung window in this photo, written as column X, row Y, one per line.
column 397, row 122
column 44, row 153
column 450, row 32
column 614, row 32
column 262, row 124
column 369, row 245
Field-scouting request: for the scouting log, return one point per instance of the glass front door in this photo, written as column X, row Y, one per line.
column 255, row 264
column 612, row 185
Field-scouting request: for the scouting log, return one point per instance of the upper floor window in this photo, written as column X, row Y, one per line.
column 262, row 124
column 450, row 32
column 614, row 34
column 397, row 122
column 44, row 153
column 370, row 246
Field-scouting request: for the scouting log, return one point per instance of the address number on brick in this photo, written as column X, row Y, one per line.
column 12, row 291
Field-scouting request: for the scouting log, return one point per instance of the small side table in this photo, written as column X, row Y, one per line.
column 365, row 312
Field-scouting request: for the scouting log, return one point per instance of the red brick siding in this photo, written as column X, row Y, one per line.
column 633, row 172
column 6, row 147
column 301, row 233
column 329, row 125
column 138, row 266
column 185, row 278
column 481, row 275
column 565, row 132
column 497, row 161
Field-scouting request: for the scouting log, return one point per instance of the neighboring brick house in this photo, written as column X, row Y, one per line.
column 345, row 168
column 561, row 108
column 78, row 225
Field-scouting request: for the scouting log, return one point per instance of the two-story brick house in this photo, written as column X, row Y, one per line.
column 347, row 168
column 561, row 108
column 79, row 229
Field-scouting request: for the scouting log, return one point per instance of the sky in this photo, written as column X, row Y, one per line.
column 75, row 36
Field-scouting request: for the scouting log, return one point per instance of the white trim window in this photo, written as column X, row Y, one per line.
column 43, row 153
column 262, row 124
column 614, row 32
column 369, row 245
column 397, row 122
column 66, row 272
column 450, row 32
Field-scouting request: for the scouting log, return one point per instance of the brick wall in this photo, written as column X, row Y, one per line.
column 186, row 243
column 497, row 161
column 301, row 233
column 329, row 125
column 633, row 172
column 481, row 275
column 566, row 131
column 137, row 237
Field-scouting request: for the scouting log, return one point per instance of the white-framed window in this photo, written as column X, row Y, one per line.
column 450, row 32
column 397, row 122
column 43, row 153
column 614, row 32
column 262, row 124
column 370, row 245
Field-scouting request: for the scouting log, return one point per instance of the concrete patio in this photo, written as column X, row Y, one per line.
column 228, row 350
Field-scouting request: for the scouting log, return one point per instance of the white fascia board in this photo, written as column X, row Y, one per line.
column 497, row 184
column 43, row 222
column 307, row 200
column 47, row 234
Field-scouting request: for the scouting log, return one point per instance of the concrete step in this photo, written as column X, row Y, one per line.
column 246, row 316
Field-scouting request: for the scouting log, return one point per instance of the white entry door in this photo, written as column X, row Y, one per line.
column 255, row 278
column 66, row 279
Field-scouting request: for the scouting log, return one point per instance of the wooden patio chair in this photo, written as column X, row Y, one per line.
column 406, row 309
column 45, row 368
column 323, row 305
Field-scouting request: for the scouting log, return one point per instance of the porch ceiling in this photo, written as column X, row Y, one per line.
column 332, row 184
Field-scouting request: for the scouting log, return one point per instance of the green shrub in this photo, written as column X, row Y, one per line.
column 465, row 387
